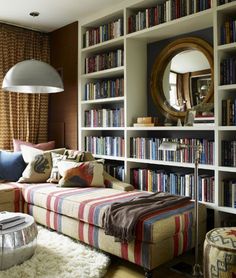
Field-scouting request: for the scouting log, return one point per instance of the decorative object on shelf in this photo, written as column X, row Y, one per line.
column 173, row 146
column 170, row 77
column 168, row 122
column 179, row 123
column 189, row 118
column 32, row 77
column 204, row 107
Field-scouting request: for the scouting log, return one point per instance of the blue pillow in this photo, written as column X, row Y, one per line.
column 12, row 165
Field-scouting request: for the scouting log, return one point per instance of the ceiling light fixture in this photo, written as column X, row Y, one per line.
column 32, row 76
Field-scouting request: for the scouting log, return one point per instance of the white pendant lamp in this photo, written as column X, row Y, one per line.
column 32, row 76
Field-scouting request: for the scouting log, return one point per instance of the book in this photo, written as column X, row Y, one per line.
column 12, row 223
column 143, row 125
column 144, row 120
column 6, row 217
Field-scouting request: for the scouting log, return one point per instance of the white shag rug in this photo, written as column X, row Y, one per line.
column 58, row 256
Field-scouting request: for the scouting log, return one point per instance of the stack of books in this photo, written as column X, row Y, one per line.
column 10, row 219
column 201, row 120
column 145, row 122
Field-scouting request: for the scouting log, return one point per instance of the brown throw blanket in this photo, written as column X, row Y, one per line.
column 120, row 219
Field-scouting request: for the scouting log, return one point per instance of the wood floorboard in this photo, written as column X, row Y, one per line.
column 122, row 269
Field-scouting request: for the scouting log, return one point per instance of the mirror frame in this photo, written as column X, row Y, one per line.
column 159, row 66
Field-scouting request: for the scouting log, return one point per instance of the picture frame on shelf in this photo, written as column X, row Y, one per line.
column 189, row 118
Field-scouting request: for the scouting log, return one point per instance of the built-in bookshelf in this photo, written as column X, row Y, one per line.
column 225, row 95
column 121, row 87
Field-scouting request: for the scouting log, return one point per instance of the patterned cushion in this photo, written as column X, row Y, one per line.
column 84, row 174
column 12, row 165
column 220, row 253
column 55, row 176
column 39, row 167
column 72, row 156
column 42, row 146
column 38, row 170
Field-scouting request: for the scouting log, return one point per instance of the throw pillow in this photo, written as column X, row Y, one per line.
column 39, row 167
column 55, row 176
column 38, row 170
column 85, row 174
column 29, row 153
column 12, row 165
column 70, row 156
column 41, row 146
column 73, row 155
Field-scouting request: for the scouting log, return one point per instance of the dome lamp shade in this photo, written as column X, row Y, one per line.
column 32, row 77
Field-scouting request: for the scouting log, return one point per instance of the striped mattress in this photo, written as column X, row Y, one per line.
column 89, row 204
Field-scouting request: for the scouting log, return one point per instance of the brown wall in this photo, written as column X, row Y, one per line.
column 63, row 107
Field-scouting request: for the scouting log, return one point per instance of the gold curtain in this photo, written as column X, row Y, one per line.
column 22, row 116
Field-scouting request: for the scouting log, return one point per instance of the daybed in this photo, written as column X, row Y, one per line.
column 78, row 212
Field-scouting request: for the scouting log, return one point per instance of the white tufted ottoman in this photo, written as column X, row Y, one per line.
column 220, row 253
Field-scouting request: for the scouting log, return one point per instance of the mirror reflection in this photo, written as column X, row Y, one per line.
column 186, row 80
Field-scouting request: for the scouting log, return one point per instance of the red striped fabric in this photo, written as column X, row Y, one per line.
column 124, row 250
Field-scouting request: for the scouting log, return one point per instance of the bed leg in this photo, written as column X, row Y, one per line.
column 148, row 273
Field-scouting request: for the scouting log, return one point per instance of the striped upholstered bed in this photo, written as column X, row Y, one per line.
column 77, row 212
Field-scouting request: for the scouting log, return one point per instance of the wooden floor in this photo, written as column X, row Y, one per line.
column 122, row 269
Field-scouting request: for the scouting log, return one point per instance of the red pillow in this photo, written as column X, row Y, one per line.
column 41, row 146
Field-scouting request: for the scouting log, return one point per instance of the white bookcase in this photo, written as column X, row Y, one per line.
column 134, row 100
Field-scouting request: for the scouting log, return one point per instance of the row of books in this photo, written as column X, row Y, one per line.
column 229, row 112
column 229, row 193
column 103, row 33
column 164, row 12
column 228, row 149
column 111, row 146
column 147, row 148
column 104, row 117
column 200, row 120
column 104, row 89
column 228, row 31
column 104, row 61
column 10, row 219
column 228, row 71
column 173, row 182
column 117, row 171
column 222, row 2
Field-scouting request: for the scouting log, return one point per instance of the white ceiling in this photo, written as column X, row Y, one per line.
column 53, row 13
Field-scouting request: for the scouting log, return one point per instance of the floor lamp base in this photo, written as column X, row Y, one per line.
column 187, row 269
column 197, row 272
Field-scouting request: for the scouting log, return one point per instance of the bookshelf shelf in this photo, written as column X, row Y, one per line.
column 227, row 169
column 181, row 128
column 170, row 163
column 105, row 73
column 113, row 43
column 103, row 100
column 102, row 128
column 227, row 47
column 135, row 99
column 165, row 30
column 227, row 128
column 227, row 87
column 109, row 157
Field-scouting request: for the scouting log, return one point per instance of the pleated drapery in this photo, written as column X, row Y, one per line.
column 22, row 116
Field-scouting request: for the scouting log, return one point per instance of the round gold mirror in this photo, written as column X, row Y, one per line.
column 182, row 77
